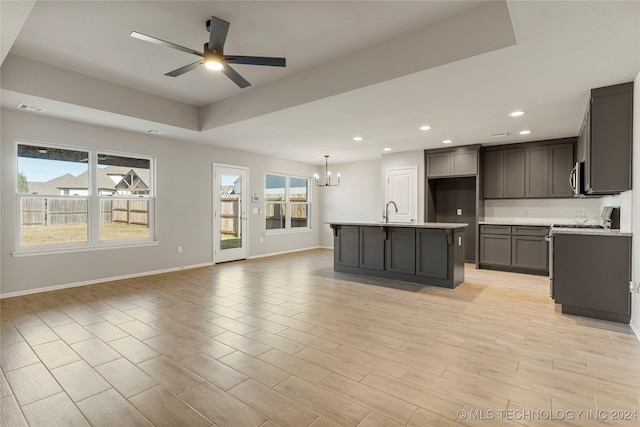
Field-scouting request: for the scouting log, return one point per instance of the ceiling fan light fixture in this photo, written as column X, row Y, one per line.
column 213, row 65
column 212, row 59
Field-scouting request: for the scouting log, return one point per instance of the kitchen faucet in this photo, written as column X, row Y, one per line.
column 386, row 211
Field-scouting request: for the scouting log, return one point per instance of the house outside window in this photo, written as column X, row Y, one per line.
column 287, row 203
column 71, row 197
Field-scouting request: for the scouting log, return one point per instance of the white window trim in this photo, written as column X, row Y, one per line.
column 288, row 204
column 94, row 212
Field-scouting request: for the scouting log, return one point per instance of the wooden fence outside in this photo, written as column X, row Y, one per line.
column 54, row 211
column 229, row 214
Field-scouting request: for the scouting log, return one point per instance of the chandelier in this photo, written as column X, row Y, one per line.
column 327, row 175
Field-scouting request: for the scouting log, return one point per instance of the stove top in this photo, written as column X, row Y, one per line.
column 595, row 226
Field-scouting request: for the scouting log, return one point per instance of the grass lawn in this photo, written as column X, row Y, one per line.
column 34, row 235
column 229, row 241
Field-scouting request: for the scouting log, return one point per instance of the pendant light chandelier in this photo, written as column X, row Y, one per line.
column 327, row 175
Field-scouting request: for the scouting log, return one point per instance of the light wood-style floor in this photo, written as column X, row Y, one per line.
column 287, row 341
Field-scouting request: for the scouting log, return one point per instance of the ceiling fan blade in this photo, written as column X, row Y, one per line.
column 233, row 75
column 218, row 30
column 154, row 40
column 256, row 60
column 180, row 71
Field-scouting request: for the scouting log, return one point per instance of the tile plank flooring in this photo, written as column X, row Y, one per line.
column 286, row 341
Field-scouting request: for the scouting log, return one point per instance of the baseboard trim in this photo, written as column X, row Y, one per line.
column 635, row 329
column 287, row 252
column 326, row 247
column 101, row 280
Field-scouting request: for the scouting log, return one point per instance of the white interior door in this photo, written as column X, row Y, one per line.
column 402, row 188
column 229, row 213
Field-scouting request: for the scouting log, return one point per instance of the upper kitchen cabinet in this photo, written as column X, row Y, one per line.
column 502, row 173
column 531, row 170
column 461, row 161
column 547, row 170
column 605, row 140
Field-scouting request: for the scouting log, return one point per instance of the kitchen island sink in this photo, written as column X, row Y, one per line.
column 428, row 253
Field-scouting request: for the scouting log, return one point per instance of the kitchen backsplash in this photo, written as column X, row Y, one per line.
column 624, row 201
column 543, row 210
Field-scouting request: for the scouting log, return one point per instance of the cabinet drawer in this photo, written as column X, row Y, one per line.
column 529, row 231
column 495, row 229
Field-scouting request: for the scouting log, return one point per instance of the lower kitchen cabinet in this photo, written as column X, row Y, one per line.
column 495, row 249
column 347, row 246
column 420, row 254
column 399, row 255
column 372, row 248
column 591, row 275
column 516, row 248
column 431, row 253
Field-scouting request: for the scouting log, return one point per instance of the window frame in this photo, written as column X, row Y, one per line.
column 94, row 201
column 288, row 204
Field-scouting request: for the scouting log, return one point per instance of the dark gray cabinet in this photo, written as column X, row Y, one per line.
column 431, row 253
column 518, row 248
column 502, row 174
column 495, row 245
column 455, row 162
column 536, row 170
column 372, row 248
column 492, row 174
column 547, row 170
column 431, row 256
column 513, row 176
column 529, row 248
column 346, row 246
column 537, row 175
column 561, row 161
column 606, row 139
column 591, row 275
column 400, row 250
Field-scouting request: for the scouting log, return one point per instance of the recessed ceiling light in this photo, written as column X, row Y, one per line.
column 425, row 127
column 525, row 132
column 386, row 149
column 517, row 113
column 447, row 141
column 357, row 138
column 499, row 134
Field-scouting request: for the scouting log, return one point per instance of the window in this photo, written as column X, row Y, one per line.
column 286, row 202
column 69, row 197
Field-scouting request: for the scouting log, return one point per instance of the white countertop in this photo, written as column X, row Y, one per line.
column 536, row 223
column 444, row 225
column 589, row 231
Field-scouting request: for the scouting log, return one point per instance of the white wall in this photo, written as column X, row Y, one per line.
column 358, row 198
column 545, row 210
column 635, row 221
column 184, row 205
column 625, row 202
column 400, row 160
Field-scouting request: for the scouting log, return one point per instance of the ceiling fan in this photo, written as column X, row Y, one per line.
column 213, row 56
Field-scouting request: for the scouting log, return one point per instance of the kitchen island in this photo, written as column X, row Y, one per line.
column 428, row 253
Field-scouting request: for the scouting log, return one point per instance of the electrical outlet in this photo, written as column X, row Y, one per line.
column 179, row 249
column 459, row 212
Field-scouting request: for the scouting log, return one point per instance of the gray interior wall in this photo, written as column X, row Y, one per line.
column 184, row 205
